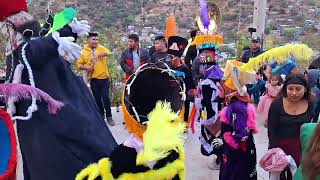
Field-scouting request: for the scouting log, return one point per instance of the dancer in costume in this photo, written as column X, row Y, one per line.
column 77, row 135
column 273, row 87
column 148, row 153
column 207, row 75
column 238, row 124
column 176, row 47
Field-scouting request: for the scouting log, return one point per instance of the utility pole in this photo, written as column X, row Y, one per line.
column 259, row 18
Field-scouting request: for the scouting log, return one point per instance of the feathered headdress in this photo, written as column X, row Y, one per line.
column 207, row 24
column 281, row 54
column 63, row 18
column 238, row 74
column 171, row 28
column 164, row 133
column 22, row 91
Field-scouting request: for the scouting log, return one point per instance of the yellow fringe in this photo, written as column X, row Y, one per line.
column 132, row 125
column 279, row 54
column 158, row 144
column 207, row 39
column 164, row 173
column 103, row 169
column 89, row 173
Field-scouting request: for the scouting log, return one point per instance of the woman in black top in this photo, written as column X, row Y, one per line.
column 286, row 115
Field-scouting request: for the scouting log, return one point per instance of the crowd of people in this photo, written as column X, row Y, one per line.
column 285, row 103
column 72, row 139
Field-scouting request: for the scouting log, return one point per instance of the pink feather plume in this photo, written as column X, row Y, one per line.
column 22, row 91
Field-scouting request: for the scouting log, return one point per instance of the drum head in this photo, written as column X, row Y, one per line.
column 148, row 87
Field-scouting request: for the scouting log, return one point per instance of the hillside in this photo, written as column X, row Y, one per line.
column 153, row 13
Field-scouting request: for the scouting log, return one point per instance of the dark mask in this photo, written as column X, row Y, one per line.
column 30, row 29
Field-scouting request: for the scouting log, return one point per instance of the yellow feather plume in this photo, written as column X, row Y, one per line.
column 207, row 39
column 164, row 133
column 280, row 54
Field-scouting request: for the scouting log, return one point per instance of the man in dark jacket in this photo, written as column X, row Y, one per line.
column 133, row 57
column 254, row 51
column 160, row 53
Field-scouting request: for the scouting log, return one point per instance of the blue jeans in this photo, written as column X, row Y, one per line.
column 100, row 91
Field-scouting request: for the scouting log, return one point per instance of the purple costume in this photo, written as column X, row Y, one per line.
column 238, row 124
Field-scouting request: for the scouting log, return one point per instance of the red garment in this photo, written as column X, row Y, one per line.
column 291, row 146
column 10, row 173
column 129, row 62
column 8, row 8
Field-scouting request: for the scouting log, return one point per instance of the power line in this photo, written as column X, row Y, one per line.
column 306, row 24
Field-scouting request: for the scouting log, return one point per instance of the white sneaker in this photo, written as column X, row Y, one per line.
column 213, row 165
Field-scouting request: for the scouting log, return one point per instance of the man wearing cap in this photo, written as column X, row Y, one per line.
column 254, row 51
column 94, row 61
column 251, row 53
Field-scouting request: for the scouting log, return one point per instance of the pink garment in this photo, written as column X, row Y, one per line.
column 274, row 160
column 265, row 101
column 251, row 125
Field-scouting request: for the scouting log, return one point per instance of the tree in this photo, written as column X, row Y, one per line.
column 228, row 49
column 271, row 42
column 289, row 33
column 127, row 21
column 312, row 41
column 242, row 42
column 267, row 29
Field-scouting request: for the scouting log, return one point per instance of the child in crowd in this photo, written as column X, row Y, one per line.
column 257, row 89
column 273, row 88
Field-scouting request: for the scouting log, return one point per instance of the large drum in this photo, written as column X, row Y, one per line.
column 8, row 150
column 149, row 84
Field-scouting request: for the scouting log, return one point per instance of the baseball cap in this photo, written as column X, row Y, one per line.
column 255, row 39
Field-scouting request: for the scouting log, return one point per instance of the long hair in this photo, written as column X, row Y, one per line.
column 311, row 162
column 279, row 78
